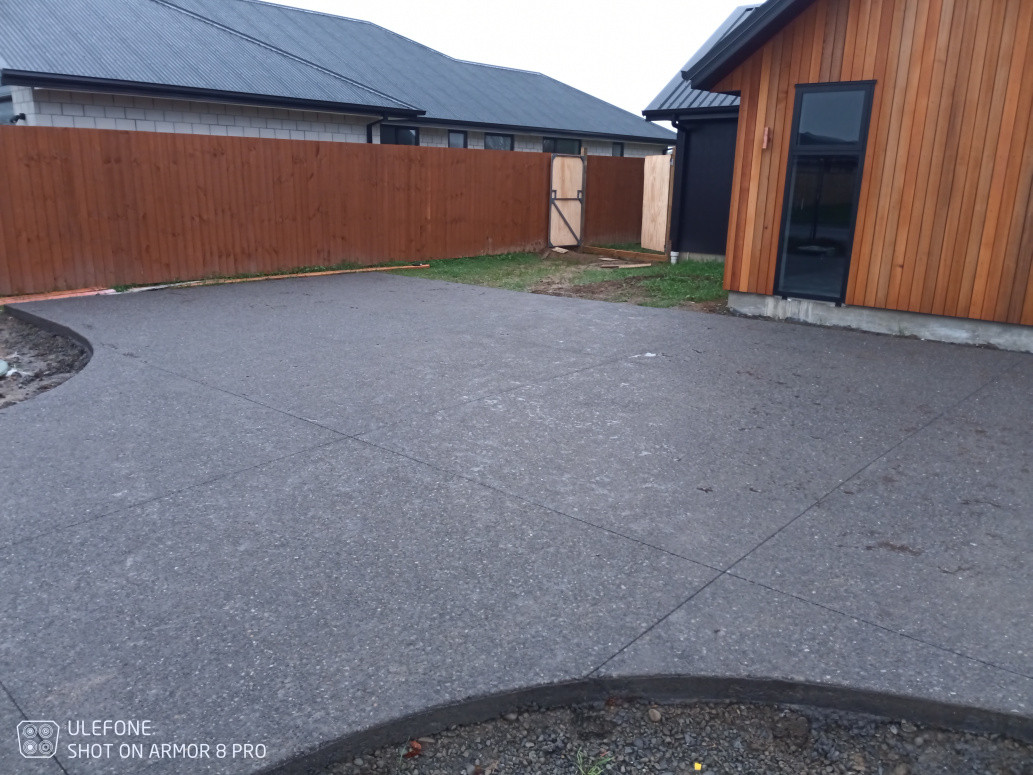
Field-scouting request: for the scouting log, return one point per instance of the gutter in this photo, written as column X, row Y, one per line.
column 548, row 131
column 140, row 89
column 674, row 116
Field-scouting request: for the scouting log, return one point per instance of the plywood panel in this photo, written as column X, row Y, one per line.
column 656, row 195
column 565, row 217
column 945, row 213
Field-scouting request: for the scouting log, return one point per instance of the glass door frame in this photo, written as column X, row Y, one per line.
column 796, row 151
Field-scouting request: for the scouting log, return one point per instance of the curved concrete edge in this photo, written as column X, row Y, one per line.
column 49, row 325
column 664, row 689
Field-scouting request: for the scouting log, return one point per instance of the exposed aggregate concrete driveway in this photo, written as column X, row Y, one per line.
column 280, row 513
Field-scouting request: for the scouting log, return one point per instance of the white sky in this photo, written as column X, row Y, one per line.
column 620, row 51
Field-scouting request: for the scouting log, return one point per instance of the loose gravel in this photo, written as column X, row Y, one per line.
column 40, row 360
column 714, row 738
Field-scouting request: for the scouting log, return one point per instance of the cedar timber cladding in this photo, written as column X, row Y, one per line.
column 945, row 221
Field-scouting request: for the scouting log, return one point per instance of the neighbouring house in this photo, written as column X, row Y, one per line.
column 884, row 164
column 255, row 69
column 705, row 153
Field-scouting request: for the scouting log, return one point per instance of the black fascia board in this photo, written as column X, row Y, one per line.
column 140, row 89
column 741, row 42
column 537, row 130
column 703, row 114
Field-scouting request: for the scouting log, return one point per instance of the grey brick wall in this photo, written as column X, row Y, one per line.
column 88, row 110
column 640, row 149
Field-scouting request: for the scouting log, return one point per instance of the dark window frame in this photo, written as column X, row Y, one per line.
column 510, row 138
column 394, row 128
column 617, row 146
column 464, row 133
column 554, row 140
column 796, row 150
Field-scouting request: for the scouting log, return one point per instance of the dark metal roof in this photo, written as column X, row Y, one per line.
column 449, row 90
column 742, row 41
column 148, row 43
column 679, row 98
column 249, row 47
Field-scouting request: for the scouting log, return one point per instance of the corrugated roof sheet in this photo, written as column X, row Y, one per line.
column 742, row 41
column 447, row 89
column 678, row 97
column 146, row 42
column 261, row 48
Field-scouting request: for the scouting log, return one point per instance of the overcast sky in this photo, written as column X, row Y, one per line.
column 621, row 51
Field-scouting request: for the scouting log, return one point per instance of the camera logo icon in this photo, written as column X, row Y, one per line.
column 37, row 739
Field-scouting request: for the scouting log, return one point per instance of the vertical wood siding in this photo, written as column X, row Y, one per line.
column 945, row 223
column 90, row 208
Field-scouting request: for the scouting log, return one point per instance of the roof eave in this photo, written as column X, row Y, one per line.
column 10, row 77
column 743, row 41
column 667, row 114
column 538, row 130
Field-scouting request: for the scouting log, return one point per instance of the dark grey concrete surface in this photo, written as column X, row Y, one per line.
column 282, row 513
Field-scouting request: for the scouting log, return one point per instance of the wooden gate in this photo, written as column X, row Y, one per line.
column 567, row 201
column 656, row 202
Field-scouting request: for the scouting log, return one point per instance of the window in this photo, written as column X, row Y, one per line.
column 456, row 138
column 561, row 145
column 618, row 149
column 6, row 106
column 823, row 186
column 391, row 134
column 493, row 142
column 832, row 117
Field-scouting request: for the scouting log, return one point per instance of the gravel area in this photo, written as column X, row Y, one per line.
column 37, row 360
column 715, row 738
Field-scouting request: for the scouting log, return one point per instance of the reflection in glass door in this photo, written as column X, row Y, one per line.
column 822, row 190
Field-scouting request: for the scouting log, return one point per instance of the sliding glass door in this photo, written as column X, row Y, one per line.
column 823, row 184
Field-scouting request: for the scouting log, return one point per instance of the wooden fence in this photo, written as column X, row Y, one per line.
column 87, row 208
column 613, row 200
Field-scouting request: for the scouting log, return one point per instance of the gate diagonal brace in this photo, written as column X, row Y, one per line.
column 559, row 212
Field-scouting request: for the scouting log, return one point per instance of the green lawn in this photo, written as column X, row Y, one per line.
column 659, row 285
column 513, row 271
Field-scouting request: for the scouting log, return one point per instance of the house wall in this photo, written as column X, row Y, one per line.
column 636, row 150
column 945, row 224
column 87, row 110
column 703, row 185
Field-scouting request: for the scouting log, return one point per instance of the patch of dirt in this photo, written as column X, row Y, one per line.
column 626, row 289
column 570, row 256
column 713, row 307
column 710, row 738
column 38, row 360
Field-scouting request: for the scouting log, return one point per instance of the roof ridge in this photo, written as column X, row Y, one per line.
column 284, row 7
column 592, row 96
column 287, row 54
column 388, row 30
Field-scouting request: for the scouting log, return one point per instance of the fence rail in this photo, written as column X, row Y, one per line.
column 86, row 208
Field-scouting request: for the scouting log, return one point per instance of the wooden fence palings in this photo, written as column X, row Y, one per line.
column 102, row 208
column 613, row 200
